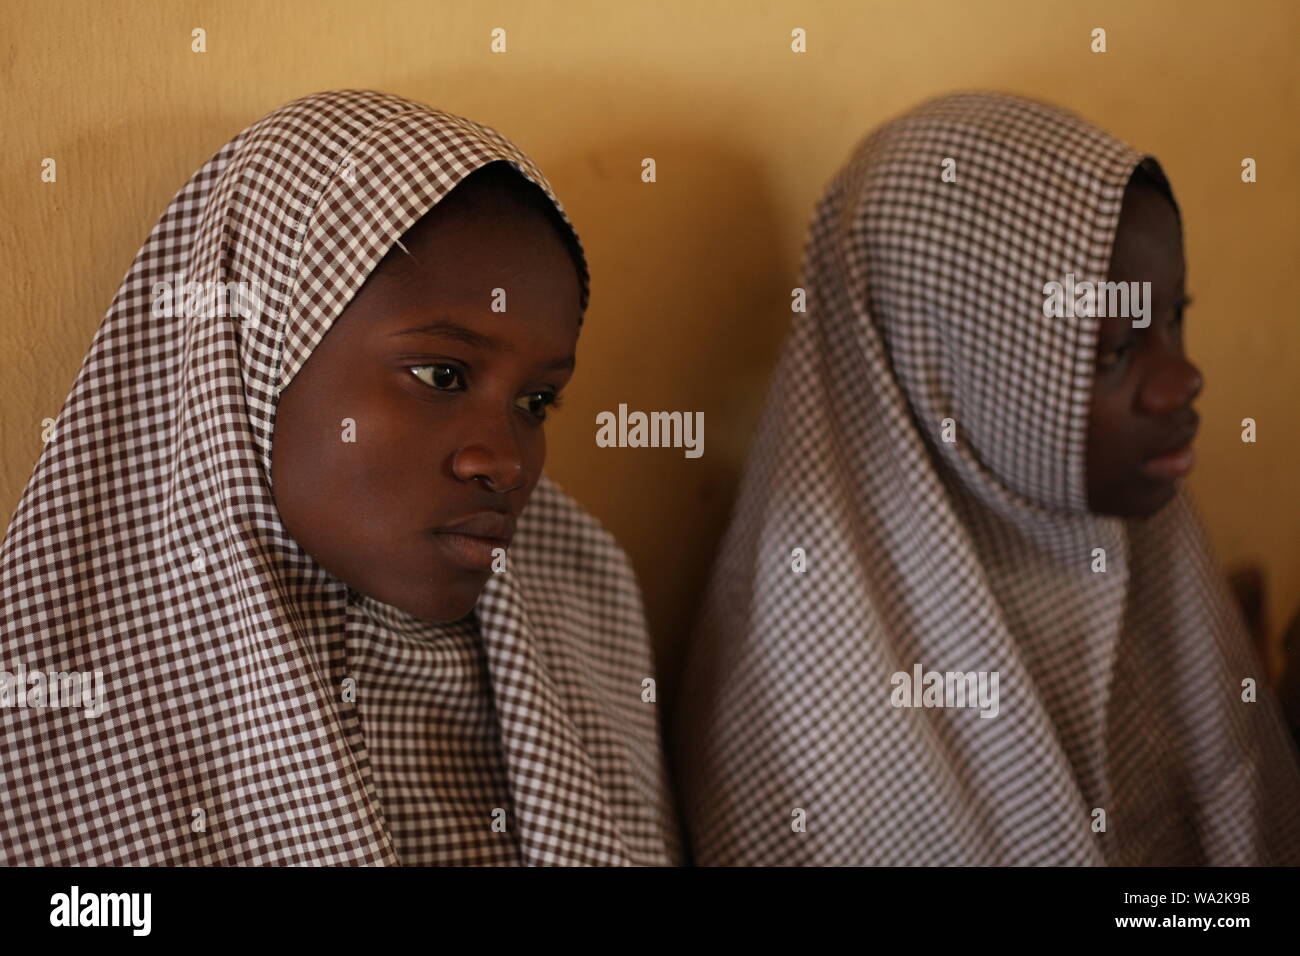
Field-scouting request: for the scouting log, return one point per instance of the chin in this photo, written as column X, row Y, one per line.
column 1141, row 498
column 452, row 603
column 1153, row 501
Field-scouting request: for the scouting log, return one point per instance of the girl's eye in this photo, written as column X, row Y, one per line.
column 446, row 378
column 1113, row 358
column 536, row 403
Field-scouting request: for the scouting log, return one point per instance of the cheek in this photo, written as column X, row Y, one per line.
column 1111, row 406
column 1098, row 419
column 535, row 456
column 385, row 464
column 1107, row 437
column 340, row 458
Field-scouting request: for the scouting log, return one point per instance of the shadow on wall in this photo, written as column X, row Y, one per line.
column 690, row 306
column 694, row 324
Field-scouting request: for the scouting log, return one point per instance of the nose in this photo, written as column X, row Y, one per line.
column 1173, row 387
column 492, row 455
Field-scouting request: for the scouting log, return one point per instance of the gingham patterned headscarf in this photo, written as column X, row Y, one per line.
column 147, row 547
column 1119, row 691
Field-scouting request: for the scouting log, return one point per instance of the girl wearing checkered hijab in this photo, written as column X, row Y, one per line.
column 964, row 613
column 280, row 530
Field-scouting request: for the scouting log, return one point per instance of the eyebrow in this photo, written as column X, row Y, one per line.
column 446, row 329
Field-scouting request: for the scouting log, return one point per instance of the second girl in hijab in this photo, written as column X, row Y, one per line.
column 964, row 613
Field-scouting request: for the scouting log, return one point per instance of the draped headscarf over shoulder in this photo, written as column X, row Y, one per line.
column 147, row 548
column 923, row 445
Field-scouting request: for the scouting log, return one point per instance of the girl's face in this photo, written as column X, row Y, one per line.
column 1142, row 424
column 448, row 398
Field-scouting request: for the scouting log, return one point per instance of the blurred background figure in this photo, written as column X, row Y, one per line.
column 945, row 480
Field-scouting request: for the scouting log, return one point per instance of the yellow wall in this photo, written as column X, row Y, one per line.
column 691, row 274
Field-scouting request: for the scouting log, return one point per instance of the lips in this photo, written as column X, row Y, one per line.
column 473, row 540
column 483, row 524
column 1172, row 466
column 1176, row 460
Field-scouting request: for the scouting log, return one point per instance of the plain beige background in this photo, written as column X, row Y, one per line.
column 691, row 275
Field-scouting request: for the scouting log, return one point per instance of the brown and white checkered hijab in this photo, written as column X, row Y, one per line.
column 1119, row 691
column 147, row 547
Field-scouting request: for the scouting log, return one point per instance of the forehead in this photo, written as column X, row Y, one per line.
column 414, row 309
column 1149, row 238
column 487, row 268
column 485, row 241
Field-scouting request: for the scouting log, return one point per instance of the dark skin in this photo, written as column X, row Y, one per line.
column 1141, row 421
column 449, row 421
